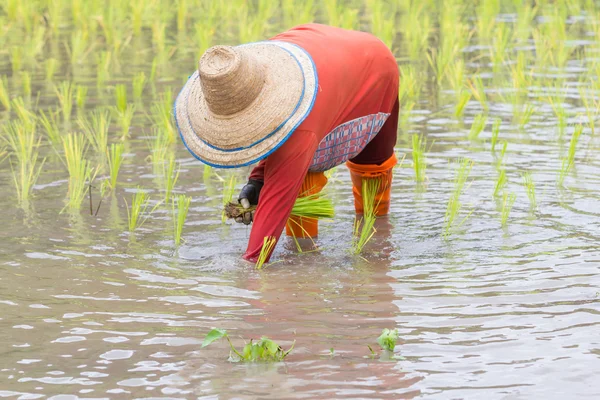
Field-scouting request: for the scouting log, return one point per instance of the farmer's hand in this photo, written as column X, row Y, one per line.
column 249, row 197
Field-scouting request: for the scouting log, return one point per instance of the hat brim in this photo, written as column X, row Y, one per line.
column 270, row 138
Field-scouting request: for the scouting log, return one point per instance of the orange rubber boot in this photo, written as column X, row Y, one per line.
column 306, row 227
column 383, row 173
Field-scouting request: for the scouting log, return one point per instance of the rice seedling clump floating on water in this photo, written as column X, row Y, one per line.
column 265, row 349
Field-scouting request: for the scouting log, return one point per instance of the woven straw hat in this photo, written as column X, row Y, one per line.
column 245, row 101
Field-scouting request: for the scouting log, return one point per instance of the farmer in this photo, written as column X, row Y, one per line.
column 305, row 101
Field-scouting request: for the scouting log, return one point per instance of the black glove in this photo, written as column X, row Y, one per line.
column 249, row 197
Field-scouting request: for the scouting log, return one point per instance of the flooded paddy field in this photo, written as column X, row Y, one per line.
column 494, row 287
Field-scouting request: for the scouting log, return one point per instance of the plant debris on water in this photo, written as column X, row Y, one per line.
column 265, row 349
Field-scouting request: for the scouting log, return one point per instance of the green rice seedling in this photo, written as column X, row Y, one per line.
column 486, row 17
column 463, row 100
column 139, row 82
column 501, row 43
column 125, row 119
column 409, row 87
column 477, row 126
column 81, row 96
column 500, row 182
column 387, row 339
column 4, row 94
column 419, row 145
column 206, row 173
column 80, row 170
column 265, row 252
column 78, row 47
column 159, row 147
column 525, row 116
column 137, row 214
column 416, row 28
column 49, row 121
column 115, row 159
column 25, row 116
column 526, row 12
column 508, row 200
column 171, row 174
column 162, row 116
column 495, row 133
column 96, row 129
column 138, row 7
column 478, row 90
column 182, row 15
column 182, row 204
column 382, row 21
column 263, row 350
column 454, row 205
column 591, row 107
column 51, row 65
column 26, row 83
column 530, row 189
column 204, row 35
column 65, row 92
column 561, row 116
column 24, row 148
column 456, row 76
column 121, row 98
column 364, row 229
column 568, row 162
column 103, row 68
column 500, row 159
column 314, row 206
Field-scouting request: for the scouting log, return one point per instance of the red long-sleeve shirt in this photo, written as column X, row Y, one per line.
column 358, row 76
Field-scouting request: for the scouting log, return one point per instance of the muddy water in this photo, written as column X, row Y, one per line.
column 88, row 311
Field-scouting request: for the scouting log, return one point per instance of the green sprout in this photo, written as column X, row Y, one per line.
column 530, row 189
column 24, row 147
column 80, row 170
column 171, row 174
column 65, row 92
column 139, row 82
column 387, row 339
column 477, row 126
column 136, row 214
column 49, row 121
column 263, row 350
column 265, row 252
column 463, row 100
column 569, row 162
column 419, row 145
column 115, row 159
column 80, row 96
column 508, row 200
column 501, row 182
column 454, row 205
column 182, row 204
column 478, row 90
column 96, row 129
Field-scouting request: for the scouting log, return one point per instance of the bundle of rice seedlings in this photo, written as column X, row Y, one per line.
column 364, row 229
column 311, row 206
column 265, row 252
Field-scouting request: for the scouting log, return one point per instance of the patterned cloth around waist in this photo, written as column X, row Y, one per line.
column 346, row 141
